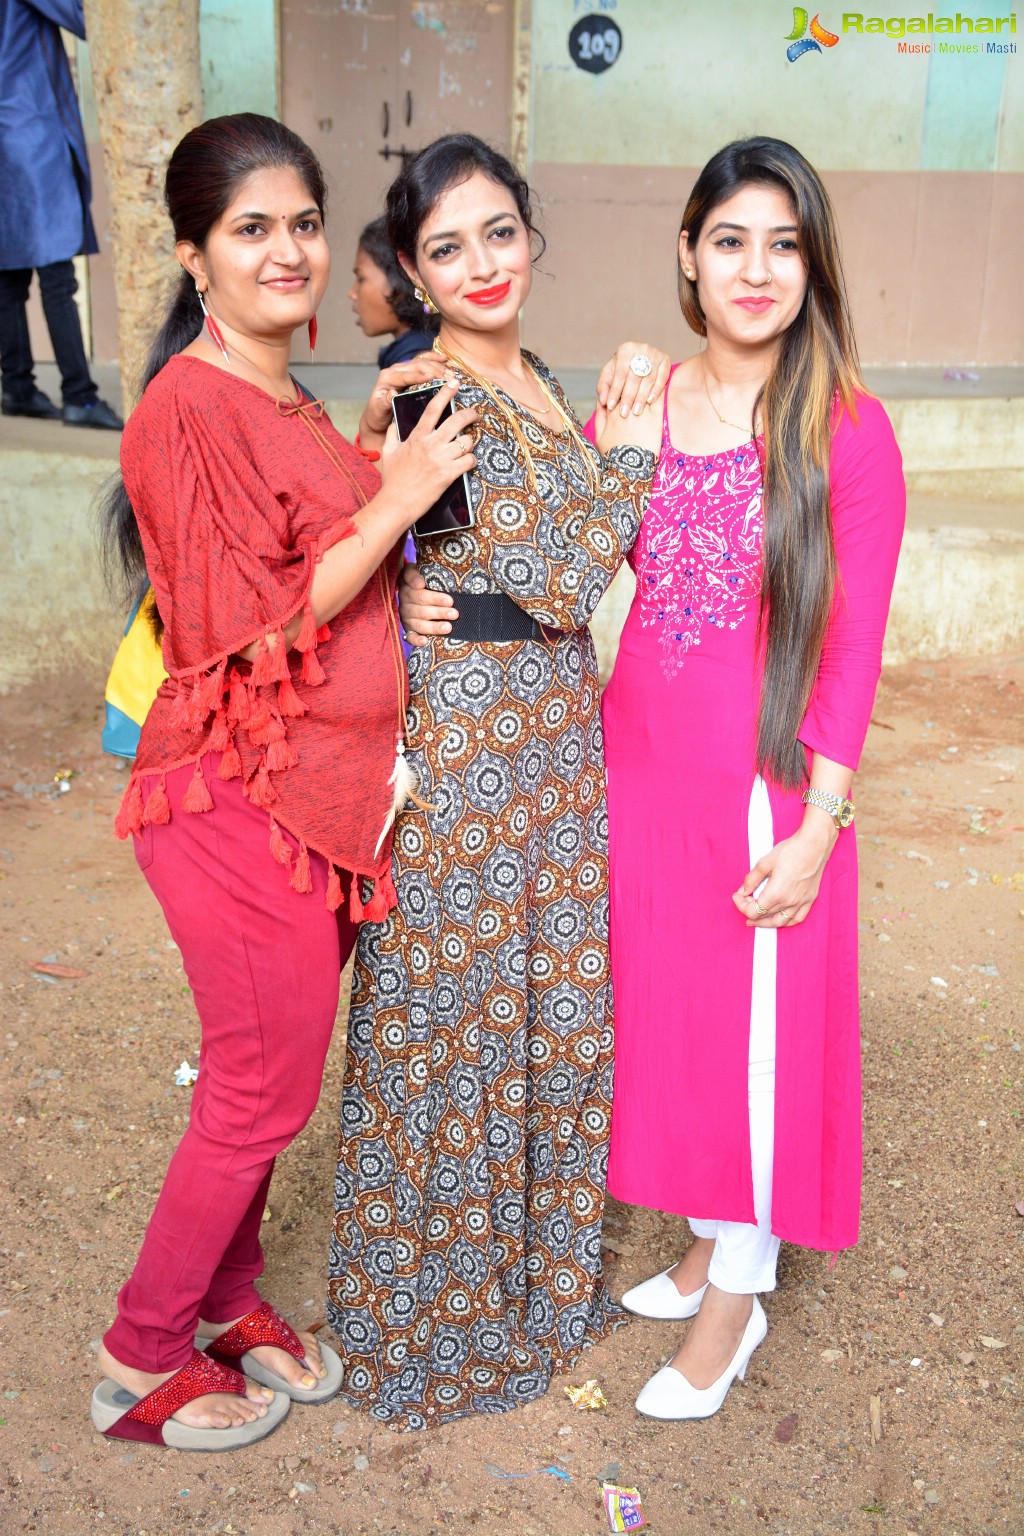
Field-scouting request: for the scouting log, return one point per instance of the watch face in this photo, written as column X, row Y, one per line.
column 845, row 813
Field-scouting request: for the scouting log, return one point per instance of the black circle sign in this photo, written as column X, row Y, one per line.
column 595, row 42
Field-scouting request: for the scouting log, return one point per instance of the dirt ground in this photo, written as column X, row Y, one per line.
column 924, row 1320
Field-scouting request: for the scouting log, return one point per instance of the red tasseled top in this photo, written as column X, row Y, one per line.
column 237, row 496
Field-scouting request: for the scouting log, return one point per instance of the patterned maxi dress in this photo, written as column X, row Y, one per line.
column 465, row 1263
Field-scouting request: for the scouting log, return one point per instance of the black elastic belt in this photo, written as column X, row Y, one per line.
column 492, row 616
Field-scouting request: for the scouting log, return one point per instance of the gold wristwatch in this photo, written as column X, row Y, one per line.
column 839, row 809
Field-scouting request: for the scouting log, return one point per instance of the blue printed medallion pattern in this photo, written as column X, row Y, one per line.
column 466, row 1261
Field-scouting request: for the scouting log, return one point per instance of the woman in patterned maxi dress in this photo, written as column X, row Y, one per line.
column 466, row 1265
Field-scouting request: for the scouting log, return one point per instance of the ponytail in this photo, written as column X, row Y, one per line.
column 124, row 563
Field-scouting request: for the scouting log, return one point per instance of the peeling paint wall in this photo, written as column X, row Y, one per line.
column 923, row 155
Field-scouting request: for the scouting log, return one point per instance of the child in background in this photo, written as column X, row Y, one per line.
column 383, row 300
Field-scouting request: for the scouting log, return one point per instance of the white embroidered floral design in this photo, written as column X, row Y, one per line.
column 698, row 557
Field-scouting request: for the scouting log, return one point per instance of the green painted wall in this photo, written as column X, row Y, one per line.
column 693, row 75
column 238, row 56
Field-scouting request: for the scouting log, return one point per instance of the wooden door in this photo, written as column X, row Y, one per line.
column 366, row 82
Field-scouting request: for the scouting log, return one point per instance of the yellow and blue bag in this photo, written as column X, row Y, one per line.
column 136, row 674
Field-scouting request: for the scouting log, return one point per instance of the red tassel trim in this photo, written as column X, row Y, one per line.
column 355, row 899
column 197, row 797
column 279, row 756
column 260, row 790
column 376, row 907
column 334, row 895
column 288, row 701
column 306, row 638
column 212, row 688
column 220, row 733
column 230, row 763
column 129, row 814
column 179, row 709
column 312, row 671
column 157, row 810
column 386, row 887
column 263, row 665
column 323, row 633
column 279, row 658
column 279, row 844
column 238, row 697
column 301, row 879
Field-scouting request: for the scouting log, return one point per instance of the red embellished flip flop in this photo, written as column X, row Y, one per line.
column 123, row 1416
column 265, row 1326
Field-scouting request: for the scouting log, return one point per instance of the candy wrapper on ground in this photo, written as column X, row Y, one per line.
column 185, row 1075
column 623, row 1508
column 587, row 1396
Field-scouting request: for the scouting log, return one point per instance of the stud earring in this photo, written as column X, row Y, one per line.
column 429, row 307
column 211, row 324
column 312, row 337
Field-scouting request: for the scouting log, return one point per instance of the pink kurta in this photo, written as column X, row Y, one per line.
column 680, row 723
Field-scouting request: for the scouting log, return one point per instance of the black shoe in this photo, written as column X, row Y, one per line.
column 96, row 414
column 35, row 404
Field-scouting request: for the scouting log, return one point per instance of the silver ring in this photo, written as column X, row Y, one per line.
column 641, row 365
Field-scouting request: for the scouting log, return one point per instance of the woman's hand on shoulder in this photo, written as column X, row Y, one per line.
column 612, row 430
column 376, row 417
column 619, row 387
column 423, row 611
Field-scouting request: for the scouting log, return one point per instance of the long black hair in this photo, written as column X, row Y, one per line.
column 444, row 164
column 816, row 363
column 408, row 308
column 203, row 175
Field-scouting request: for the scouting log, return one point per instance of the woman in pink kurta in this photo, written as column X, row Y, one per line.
column 737, row 1097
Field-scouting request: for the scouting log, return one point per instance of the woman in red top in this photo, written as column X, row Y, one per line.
column 263, row 781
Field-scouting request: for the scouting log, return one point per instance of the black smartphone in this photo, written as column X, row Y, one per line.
column 453, row 509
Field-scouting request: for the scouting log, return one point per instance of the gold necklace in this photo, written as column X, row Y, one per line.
column 534, row 410
column 492, row 394
column 723, row 419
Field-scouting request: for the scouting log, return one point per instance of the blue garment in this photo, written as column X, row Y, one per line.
column 45, row 188
column 409, row 344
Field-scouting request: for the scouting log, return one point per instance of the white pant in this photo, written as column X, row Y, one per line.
column 744, row 1256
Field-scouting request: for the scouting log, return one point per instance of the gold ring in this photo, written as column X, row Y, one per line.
column 761, row 911
column 784, row 915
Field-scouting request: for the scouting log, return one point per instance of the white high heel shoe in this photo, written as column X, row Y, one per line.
column 668, row 1394
column 659, row 1298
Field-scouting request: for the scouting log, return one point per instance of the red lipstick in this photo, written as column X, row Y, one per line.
column 490, row 295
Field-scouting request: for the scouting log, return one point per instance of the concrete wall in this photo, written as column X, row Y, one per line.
column 923, row 154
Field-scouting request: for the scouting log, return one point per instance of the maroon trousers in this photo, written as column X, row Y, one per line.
column 264, row 964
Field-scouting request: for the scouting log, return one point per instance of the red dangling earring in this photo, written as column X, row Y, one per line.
column 312, row 338
column 211, row 325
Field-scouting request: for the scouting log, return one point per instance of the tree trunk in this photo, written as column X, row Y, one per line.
column 145, row 64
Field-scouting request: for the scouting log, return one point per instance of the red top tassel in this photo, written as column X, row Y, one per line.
column 334, row 894
column 262, row 665
column 230, row 763
column 307, row 636
column 312, row 671
column 260, row 790
column 355, row 900
column 197, row 797
column 157, row 810
column 279, row 844
column 301, row 879
column 288, row 701
column 129, row 815
column 238, row 697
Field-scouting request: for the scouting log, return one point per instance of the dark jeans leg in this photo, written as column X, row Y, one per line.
column 15, row 347
column 58, row 286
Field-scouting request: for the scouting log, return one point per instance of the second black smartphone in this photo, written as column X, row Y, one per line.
column 453, row 509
